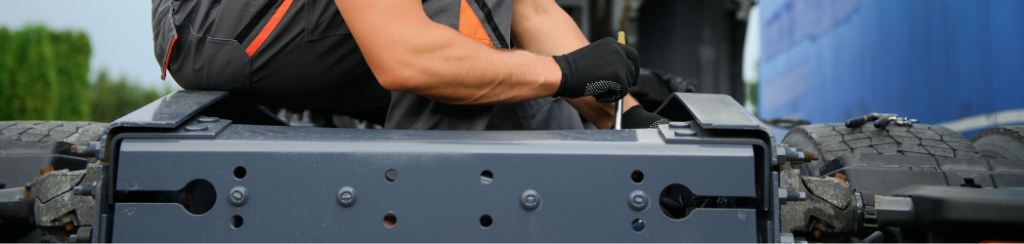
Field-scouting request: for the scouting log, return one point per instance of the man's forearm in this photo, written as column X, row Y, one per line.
column 416, row 55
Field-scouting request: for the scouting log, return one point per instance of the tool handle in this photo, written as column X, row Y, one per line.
column 618, row 104
column 882, row 122
column 858, row 121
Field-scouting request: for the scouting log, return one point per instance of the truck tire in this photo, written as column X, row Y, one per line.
column 1004, row 142
column 28, row 146
column 833, row 140
column 73, row 132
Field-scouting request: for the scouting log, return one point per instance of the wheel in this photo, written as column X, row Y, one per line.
column 1004, row 142
column 833, row 140
column 28, row 146
column 72, row 132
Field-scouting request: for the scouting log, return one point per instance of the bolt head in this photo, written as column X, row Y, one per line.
column 347, row 196
column 637, row 200
column 238, row 197
column 530, row 200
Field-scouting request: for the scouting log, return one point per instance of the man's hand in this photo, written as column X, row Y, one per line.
column 604, row 69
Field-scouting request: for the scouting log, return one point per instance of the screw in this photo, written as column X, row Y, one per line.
column 530, row 200
column 238, row 196
column 347, row 196
column 638, row 200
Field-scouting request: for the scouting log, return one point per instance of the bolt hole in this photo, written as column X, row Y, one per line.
column 638, row 225
column 239, row 172
column 486, row 221
column 637, row 176
column 391, row 175
column 676, row 201
column 236, row 221
column 390, row 220
column 486, row 177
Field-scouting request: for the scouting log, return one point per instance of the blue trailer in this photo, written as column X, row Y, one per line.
column 958, row 64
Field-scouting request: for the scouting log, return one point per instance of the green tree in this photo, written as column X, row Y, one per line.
column 44, row 74
column 116, row 98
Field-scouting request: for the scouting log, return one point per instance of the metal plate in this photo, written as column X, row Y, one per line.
column 583, row 178
column 169, row 111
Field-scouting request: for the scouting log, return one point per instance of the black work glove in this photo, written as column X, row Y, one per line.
column 638, row 118
column 604, row 69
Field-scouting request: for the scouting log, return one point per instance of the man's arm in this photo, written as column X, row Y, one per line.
column 542, row 27
column 408, row 52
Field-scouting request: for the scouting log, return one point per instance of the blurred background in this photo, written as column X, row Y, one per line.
column 77, row 60
column 955, row 63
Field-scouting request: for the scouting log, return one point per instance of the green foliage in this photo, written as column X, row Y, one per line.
column 44, row 76
column 116, row 98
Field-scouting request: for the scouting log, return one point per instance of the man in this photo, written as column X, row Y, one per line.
column 447, row 63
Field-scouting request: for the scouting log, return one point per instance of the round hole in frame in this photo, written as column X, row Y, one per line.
column 239, row 172
column 637, row 176
column 486, row 221
column 390, row 220
column 391, row 175
column 236, row 221
column 486, row 177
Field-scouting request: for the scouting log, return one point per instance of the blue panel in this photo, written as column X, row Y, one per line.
column 937, row 61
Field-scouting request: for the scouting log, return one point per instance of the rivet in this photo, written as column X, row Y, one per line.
column 193, row 128
column 347, row 196
column 208, row 120
column 684, row 132
column 679, row 124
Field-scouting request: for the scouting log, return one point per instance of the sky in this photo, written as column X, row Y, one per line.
column 119, row 30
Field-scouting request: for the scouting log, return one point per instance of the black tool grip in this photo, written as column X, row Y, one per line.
column 881, row 123
column 858, row 121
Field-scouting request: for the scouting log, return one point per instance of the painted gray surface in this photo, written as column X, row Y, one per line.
column 293, row 182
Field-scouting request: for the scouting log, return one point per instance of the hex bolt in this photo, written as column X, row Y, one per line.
column 208, row 120
column 347, row 196
column 88, row 150
column 530, row 200
column 85, row 190
column 638, row 200
column 238, row 196
column 194, row 128
column 786, row 196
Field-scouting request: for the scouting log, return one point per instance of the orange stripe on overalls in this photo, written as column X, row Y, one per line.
column 470, row 26
column 267, row 29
